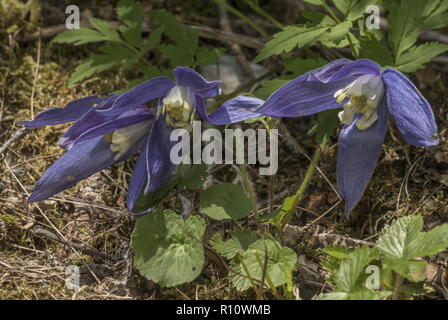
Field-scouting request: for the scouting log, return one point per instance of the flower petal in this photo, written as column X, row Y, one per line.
column 137, row 115
column 72, row 112
column 234, row 110
column 314, row 91
column 139, row 178
column 358, row 154
column 411, row 111
column 143, row 93
column 80, row 162
column 158, row 162
column 189, row 78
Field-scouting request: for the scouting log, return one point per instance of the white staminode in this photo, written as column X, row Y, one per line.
column 178, row 106
column 365, row 94
column 123, row 139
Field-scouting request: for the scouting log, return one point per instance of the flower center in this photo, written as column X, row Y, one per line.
column 178, row 106
column 123, row 139
column 364, row 94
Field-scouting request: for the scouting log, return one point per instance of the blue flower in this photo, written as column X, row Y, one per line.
column 112, row 129
column 368, row 95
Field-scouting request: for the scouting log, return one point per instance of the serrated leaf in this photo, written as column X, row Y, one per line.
column 167, row 249
column 338, row 252
column 290, row 38
column 280, row 263
column 396, row 238
column 176, row 56
column 130, row 12
column 358, row 8
column 153, row 39
column 374, row 50
column 79, row 36
column 348, row 276
column 95, row 64
column 416, row 57
column 430, row 243
column 336, row 34
column 224, row 201
column 106, row 29
column 237, row 244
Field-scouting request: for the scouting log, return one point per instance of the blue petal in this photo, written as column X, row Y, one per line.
column 143, row 93
column 411, row 111
column 77, row 164
column 234, row 110
column 72, row 112
column 314, row 91
column 138, row 179
column 158, row 162
column 189, row 78
column 127, row 119
column 358, row 154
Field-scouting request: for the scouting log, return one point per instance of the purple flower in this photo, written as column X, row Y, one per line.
column 368, row 95
column 112, row 129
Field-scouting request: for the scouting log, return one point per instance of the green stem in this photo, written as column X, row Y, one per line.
column 242, row 16
column 335, row 18
column 299, row 194
column 262, row 12
column 397, row 285
column 331, row 13
column 249, row 188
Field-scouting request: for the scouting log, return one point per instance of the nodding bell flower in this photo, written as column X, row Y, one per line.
column 367, row 96
column 112, row 129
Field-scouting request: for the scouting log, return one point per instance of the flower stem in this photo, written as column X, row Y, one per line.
column 299, row 194
column 397, row 285
column 249, row 188
column 242, row 16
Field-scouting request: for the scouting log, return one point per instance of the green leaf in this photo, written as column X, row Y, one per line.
column 405, row 22
column 106, row 29
column 336, row 34
column 237, row 244
column 338, row 252
column 205, row 56
column 402, row 242
column 95, row 64
column 315, row 2
column 325, row 126
column 358, row 8
column 176, row 56
column 417, row 57
column 130, row 12
column 373, row 49
column 191, row 176
column 301, row 66
column 396, row 239
column 153, row 39
column 348, row 276
column 290, row 38
column 167, row 249
column 79, row 36
column 224, row 201
column 280, row 263
column 333, row 296
column 269, row 87
column 430, row 243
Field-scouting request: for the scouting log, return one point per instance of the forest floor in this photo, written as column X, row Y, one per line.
column 33, row 77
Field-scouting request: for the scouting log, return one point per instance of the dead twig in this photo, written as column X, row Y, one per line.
column 19, row 134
